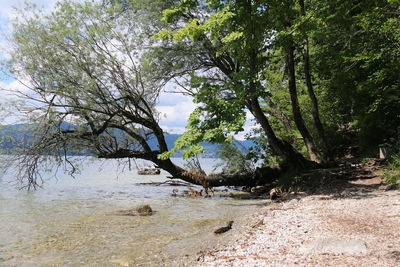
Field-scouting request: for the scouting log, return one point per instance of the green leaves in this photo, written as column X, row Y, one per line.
column 82, row 64
column 359, row 43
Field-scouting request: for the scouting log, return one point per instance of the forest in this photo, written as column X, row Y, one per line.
column 319, row 80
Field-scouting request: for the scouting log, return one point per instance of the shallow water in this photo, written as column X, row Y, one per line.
column 68, row 222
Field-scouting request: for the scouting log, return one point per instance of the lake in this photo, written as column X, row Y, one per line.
column 67, row 223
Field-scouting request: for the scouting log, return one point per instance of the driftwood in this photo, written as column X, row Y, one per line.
column 167, row 183
column 190, row 192
column 224, row 229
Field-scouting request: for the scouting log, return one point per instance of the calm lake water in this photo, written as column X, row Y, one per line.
column 67, row 223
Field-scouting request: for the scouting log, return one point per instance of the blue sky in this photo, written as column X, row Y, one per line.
column 175, row 108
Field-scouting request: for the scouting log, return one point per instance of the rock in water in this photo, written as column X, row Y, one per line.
column 144, row 210
column 224, row 229
column 149, row 171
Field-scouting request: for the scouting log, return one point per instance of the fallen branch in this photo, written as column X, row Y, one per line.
column 168, row 183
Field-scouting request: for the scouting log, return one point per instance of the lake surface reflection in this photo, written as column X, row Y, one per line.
column 67, row 222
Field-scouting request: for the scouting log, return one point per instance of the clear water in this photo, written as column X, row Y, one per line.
column 67, row 223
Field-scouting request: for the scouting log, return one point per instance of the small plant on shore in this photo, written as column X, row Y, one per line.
column 392, row 175
column 234, row 159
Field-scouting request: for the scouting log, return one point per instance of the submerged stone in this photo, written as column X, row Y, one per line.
column 144, row 210
column 149, row 171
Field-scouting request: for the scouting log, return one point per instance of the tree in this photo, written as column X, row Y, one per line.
column 227, row 44
column 234, row 159
column 232, row 43
column 356, row 65
column 91, row 78
column 103, row 70
column 310, row 86
column 88, row 92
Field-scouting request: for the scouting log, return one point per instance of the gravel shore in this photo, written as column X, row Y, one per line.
column 355, row 228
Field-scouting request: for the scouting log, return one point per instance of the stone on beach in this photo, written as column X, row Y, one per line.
column 332, row 245
column 317, row 230
column 224, row 229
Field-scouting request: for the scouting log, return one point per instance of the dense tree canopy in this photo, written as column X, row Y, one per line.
column 287, row 54
column 317, row 76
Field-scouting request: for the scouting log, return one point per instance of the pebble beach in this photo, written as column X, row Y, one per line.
column 354, row 228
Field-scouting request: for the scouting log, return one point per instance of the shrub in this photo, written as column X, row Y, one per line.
column 234, row 159
column 392, row 175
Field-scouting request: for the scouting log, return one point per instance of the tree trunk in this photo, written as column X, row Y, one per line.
column 311, row 93
column 260, row 176
column 280, row 147
column 298, row 118
column 266, row 175
column 315, row 110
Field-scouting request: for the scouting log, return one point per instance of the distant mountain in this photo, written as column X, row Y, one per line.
column 12, row 135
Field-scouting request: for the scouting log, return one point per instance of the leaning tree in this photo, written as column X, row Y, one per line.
column 86, row 91
column 223, row 48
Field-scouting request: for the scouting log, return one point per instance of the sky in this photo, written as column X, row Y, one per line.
column 174, row 108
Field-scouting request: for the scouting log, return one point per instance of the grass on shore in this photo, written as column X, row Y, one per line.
column 392, row 175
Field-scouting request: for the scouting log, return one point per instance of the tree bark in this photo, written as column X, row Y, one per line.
column 311, row 93
column 260, row 176
column 280, row 147
column 314, row 101
column 297, row 116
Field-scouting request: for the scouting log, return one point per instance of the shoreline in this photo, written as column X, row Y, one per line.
column 356, row 228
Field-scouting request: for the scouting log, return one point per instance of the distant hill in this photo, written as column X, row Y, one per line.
column 11, row 135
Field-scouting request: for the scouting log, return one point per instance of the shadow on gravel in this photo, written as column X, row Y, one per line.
column 350, row 178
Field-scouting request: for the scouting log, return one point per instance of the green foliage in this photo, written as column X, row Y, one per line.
column 234, row 159
column 106, row 64
column 82, row 64
column 212, row 37
column 392, row 175
column 356, row 62
column 218, row 123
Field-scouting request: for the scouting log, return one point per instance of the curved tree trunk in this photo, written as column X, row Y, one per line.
column 260, row 176
column 315, row 110
column 298, row 118
column 280, row 147
column 311, row 93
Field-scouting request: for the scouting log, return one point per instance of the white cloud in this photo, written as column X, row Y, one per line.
column 9, row 90
column 9, row 11
column 8, row 8
column 175, row 113
column 9, row 102
column 167, row 99
column 173, row 130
